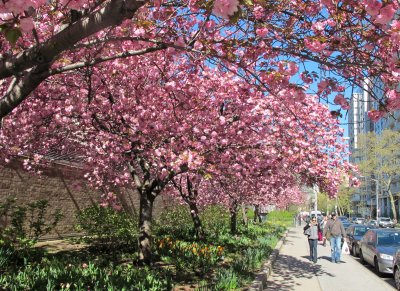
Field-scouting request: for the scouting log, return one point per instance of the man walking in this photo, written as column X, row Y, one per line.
column 335, row 231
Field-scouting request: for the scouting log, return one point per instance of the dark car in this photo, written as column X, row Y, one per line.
column 378, row 246
column 396, row 269
column 346, row 224
column 355, row 233
column 343, row 218
column 386, row 222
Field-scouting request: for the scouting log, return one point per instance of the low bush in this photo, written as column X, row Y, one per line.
column 175, row 222
column 105, row 224
column 25, row 224
column 75, row 275
column 185, row 255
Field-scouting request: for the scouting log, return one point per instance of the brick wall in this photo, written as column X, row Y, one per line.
column 57, row 185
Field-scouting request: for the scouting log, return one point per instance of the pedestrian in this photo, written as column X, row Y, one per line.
column 299, row 219
column 323, row 226
column 263, row 212
column 311, row 230
column 335, row 230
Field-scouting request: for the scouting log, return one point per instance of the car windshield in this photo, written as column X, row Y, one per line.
column 385, row 219
column 388, row 238
column 360, row 230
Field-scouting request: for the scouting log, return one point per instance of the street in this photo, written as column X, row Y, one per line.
column 293, row 270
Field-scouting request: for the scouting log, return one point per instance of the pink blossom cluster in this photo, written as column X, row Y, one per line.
column 340, row 100
column 225, row 8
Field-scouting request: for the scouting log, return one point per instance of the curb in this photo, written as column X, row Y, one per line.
column 260, row 282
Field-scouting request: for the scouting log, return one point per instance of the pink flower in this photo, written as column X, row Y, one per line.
column 314, row 45
column 372, row 7
column 16, row 6
column 375, row 115
column 6, row 16
column 225, row 8
column 37, row 3
column 340, row 100
column 84, row 265
column 261, row 32
column 393, row 100
column 258, row 12
column 386, row 14
column 26, row 24
column 74, row 4
column 318, row 26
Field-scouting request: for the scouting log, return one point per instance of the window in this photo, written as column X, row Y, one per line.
column 360, row 230
column 388, row 238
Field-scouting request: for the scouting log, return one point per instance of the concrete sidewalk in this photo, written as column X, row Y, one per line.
column 293, row 270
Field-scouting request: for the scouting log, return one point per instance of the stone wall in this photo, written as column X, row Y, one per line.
column 65, row 189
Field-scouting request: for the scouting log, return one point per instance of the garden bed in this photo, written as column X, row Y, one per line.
column 180, row 262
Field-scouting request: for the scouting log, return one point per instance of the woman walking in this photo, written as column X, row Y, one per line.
column 311, row 230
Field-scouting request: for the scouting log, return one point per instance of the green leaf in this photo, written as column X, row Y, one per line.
column 3, row 27
column 12, row 35
column 248, row 3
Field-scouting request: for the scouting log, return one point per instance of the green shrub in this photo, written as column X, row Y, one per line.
column 7, row 256
column 107, row 224
column 215, row 221
column 27, row 223
column 59, row 275
column 282, row 217
column 226, row 279
column 189, row 255
column 176, row 222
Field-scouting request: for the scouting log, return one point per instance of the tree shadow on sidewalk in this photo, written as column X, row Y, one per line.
column 289, row 271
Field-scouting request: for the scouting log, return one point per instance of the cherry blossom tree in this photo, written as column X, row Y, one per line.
column 169, row 119
column 147, row 91
column 263, row 42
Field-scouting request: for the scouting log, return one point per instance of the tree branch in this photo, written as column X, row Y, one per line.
column 112, row 14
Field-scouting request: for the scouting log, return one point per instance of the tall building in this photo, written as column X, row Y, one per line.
column 364, row 199
column 359, row 123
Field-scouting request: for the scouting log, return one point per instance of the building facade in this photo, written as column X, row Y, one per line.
column 364, row 199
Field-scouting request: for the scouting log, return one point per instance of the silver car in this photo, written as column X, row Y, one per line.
column 386, row 222
column 377, row 248
column 396, row 269
column 355, row 233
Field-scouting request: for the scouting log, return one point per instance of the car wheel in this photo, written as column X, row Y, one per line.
column 397, row 278
column 362, row 257
column 354, row 251
column 376, row 265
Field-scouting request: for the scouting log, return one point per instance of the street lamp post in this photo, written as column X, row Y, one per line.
column 377, row 201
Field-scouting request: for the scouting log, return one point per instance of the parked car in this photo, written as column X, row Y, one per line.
column 396, row 269
column 385, row 222
column 377, row 248
column 360, row 220
column 343, row 218
column 372, row 222
column 355, row 233
column 346, row 224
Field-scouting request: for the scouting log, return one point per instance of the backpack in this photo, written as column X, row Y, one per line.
column 307, row 229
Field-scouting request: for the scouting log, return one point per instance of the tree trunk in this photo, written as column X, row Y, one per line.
column 233, row 221
column 392, row 204
column 244, row 214
column 146, row 215
column 194, row 212
column 256, row 213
